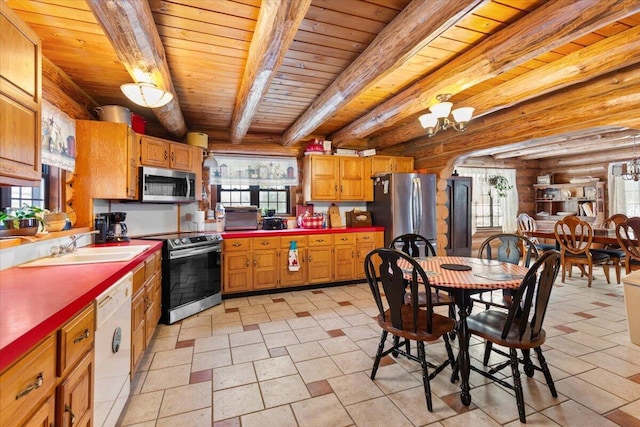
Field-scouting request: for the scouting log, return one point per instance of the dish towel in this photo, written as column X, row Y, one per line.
column 293, row 256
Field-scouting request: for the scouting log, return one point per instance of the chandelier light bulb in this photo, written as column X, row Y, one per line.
column 438, row 118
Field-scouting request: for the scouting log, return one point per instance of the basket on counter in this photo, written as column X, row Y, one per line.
column 312, row 222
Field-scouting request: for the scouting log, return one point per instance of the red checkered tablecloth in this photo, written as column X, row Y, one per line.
column 483, row 274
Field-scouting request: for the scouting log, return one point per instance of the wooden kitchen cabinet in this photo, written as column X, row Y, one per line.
column 106, row 166
column 75, row 339
column 390, row 164
column 28, row 386
column 265, row 265
column 344, row 256
column 320, row 258
column 250, row 263
column 288, row 277
column 585, row 199
column 146, row 306
column 365, row 243
column 333, row 178
column 459, row 199
column 20, row 101
column 165, row 154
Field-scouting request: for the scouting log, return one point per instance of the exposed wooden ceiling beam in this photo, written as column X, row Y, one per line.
column 609, row 54
column 63, row 93
column 130, row 28
column 564, row 21
column 415, row 27
column 573, row 147
column 277, row 25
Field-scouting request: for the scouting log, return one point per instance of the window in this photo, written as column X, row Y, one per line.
column 264, row 197
column 15, row 197
column 624, row 196
column 488, row 209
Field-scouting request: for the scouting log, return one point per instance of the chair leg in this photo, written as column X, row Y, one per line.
column 618, row 271
column 396, row 344
column 425, row 375
column 517, row 384
column 590, row 279
column 605, row 268
column 546, row 372
column 488, row 345
column 383, row 338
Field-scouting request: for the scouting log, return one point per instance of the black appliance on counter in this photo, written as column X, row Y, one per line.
column 274, row 223
column 111, row 227
column 191, row 274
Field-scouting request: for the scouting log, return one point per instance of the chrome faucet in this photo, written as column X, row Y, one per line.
column 71, row 246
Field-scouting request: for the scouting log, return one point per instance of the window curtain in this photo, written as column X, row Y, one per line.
column 508, row 204
column 250, row 170
column 624, row 196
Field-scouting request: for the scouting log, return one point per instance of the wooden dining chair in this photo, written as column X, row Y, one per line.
column 617, row 256
column 521, row 327
column 526, row 224
column 628, row 236
column 575, row 237
column 406, row 322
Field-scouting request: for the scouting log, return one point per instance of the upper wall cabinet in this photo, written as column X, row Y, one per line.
column 390, row 164
column 334, row 178
column 20, row 100
column 164, row 154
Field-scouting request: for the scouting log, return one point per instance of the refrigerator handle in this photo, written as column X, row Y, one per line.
column 416, row 200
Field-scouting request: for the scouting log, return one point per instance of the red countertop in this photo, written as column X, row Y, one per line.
column 36, row 301
column 296, row 231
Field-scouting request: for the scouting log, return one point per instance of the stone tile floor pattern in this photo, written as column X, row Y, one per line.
column 303, row 358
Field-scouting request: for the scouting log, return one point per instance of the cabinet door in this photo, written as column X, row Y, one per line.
column 132, row 170
column 380, row 164
column 44, row 416
column 293, row 278
column 237, row 273
column 153, row 296
column 181, row 157
column 320, row 261
column 351, row 178
column 321, row 178
column 20, row 99
column 265, row 269
column 74, row 397
column 365, row 243
column 344, row 262
column 137, row 329
column 75, row 338
column 402, row 164
column 459, row 220
column 154, row 152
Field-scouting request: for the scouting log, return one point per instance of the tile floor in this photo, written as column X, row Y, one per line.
column 304, row 358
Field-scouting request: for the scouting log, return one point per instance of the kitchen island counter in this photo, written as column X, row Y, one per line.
column 36, row 301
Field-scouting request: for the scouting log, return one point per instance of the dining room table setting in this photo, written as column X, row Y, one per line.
column 462, row 277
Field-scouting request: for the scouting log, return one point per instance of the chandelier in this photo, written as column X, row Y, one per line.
column 631, row 170
column 438, row 119
column 146, row 94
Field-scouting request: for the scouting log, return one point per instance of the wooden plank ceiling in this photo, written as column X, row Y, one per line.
column 550, row 77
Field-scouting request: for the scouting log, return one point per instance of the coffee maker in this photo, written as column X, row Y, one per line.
column 111, row 227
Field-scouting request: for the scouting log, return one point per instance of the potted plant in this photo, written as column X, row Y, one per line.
column 500, row 184
column 23, row 221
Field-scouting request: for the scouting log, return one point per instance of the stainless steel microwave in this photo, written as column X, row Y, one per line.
column 158, row 185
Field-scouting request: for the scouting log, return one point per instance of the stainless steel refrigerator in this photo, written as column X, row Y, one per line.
column 404, row 203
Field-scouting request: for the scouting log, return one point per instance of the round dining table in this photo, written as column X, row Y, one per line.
column 463, row 277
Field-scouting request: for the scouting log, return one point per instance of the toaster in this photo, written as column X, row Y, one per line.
column 274, row 223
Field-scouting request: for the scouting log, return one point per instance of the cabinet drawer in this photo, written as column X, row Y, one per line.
column 150, row 266
column 236, row 245
column 28, row 382
column 365, row 237
column 75, row 339
column 139, row 277
column 265, row 243
column 344, row 239
column 320, row 240
column 301, row 241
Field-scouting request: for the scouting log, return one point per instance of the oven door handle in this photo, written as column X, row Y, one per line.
column 191, row 252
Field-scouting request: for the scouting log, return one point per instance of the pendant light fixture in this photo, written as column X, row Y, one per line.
column 438, row 119
column 631, row 169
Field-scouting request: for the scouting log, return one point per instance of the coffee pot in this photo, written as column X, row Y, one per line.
column 111, row 227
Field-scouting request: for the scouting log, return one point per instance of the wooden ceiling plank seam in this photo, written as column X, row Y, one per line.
column 278, row 23
column 170, row 11
column 593, row 61
column 412, row 29
column 564, row 22
column 368, row 10
column 240, row 34
column 131, row 30
column 248, row 10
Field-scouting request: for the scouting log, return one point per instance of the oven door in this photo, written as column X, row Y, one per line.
column 191, row 282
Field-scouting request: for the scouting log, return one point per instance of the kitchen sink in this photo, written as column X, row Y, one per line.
column 90, row 256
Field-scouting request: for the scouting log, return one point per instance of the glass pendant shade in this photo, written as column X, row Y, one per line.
column 146, row 94
column 462, row 114
column 428, row 120
column 441, row 110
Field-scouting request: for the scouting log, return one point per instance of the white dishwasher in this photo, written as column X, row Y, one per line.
column 112, row 352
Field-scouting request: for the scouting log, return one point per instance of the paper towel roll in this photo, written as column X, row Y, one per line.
column 199, row 220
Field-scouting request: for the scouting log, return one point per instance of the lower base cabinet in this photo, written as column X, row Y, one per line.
column 262, row 263
column 74, row 397
column 44, row 416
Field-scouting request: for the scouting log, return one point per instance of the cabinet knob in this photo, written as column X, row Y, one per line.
column 235, row 245
column 247, row 263
column 264, row 243
column 36, row 384
column 309, row 258
column 255, row 263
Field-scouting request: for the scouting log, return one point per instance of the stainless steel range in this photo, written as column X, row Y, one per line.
column 191, row 274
